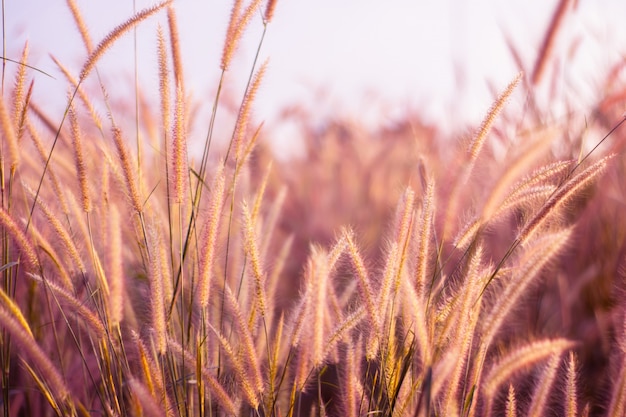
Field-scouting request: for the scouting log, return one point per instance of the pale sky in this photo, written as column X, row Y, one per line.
column 368, row 60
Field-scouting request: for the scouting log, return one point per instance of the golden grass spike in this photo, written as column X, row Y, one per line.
column 164, row 86
column 244, row 116
column 89, row 318
column 318, row 272
column 8, row 131
column 522, row 358
column 236, row 26
column 179, row 78
column 210, row 233
column 350, row 382
column 485, row 127
column 79, row 159
column 547, row 45
column 229, row 44
column 115, row 270
column 277, row 345
column 511, row 403
column 258, row 199
column 157, row 306
column 571, row 392
column 146, row 363
column 365, row 288
column 560, row 197
column 533, row 151
column 81, row 93
column 20, row 97
column 252, row 250
column 153, row 376
column 404, row 225
column 180, row 162
column 473, row 151
column 45, row 247
column 81, row 25
column 67, row 242
column 127, row 167
column 27, row 346
column 270, row 7
column 424, row 230
column 115, row 34
column 27, row 251
column 341, row 331
column 34, row 135
column 542, row 392
column 389, row 279
column 246, row 341
column 249, row 389
column 462, row 328
column 542, row 252
column 13, row 309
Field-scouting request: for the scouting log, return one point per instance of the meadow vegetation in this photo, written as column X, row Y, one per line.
column 389, row 272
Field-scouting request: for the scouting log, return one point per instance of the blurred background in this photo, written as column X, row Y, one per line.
column 370, row 61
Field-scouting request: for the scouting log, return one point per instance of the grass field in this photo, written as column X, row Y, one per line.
column 386, row 272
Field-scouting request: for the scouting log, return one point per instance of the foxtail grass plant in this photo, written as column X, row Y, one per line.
column 385, row 272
